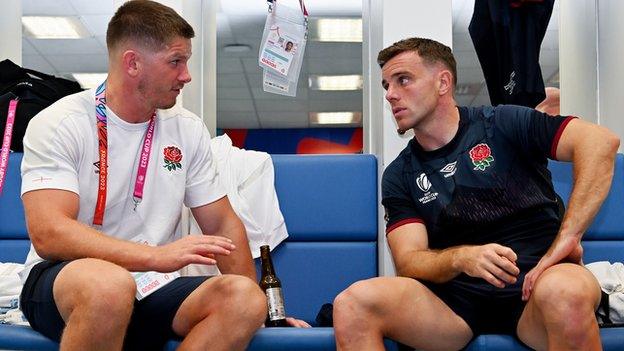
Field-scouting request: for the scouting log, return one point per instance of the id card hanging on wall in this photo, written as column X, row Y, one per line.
column 282, row 48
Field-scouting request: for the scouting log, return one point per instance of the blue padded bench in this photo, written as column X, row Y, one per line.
column 330, row 207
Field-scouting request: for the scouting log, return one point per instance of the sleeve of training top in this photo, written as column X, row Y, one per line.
column 51, row 153
column 202, row 184
column 398, row 204
column 534, row 132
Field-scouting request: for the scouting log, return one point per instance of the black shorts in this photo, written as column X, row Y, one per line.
column 486, row 308
column 150, row 325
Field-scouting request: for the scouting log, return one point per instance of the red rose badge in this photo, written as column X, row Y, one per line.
column 173, row 156
column 481, row 156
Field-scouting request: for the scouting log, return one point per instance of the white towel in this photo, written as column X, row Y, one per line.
column 10, row 283
column 14, row 316
column 611, row 279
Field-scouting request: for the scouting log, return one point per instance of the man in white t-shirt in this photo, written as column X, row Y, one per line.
column 106, row 172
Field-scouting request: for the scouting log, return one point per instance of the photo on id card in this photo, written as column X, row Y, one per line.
column 278, row 50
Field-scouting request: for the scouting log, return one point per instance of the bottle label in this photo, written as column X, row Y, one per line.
column 275, row 301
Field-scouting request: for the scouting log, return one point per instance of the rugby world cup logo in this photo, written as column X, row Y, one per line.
column 423, row 182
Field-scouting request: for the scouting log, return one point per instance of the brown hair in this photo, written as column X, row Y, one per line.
column 147, row 23
column 431, row 51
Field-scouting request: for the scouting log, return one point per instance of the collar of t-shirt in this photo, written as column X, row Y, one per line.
column 418, row 150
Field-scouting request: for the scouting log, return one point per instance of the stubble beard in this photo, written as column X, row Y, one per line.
column 159, row 104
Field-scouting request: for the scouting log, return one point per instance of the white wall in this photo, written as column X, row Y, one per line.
column 386, row 22
column 578, row 59
column 201, row 94
column 590, row 51
column 11, row 29
column 610, row 67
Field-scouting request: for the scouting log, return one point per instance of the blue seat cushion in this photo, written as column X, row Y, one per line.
column 290, row 339
column 612, row 340
column 15, row 337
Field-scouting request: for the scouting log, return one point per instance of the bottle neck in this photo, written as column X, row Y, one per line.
column 267, row 263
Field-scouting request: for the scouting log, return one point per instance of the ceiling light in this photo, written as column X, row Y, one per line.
column 335, row 117
column 89, row 80
column 349, row 82
column 236, row 48
column 337, row 29
column 50, row 27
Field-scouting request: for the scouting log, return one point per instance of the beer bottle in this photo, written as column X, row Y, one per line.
column 273, row 289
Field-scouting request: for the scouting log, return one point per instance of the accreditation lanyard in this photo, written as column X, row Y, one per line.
column 6, row 142
column 100, row 115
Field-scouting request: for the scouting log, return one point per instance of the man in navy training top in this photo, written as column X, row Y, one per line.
column 473, row 221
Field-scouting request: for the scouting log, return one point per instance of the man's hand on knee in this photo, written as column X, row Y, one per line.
column 565, row 249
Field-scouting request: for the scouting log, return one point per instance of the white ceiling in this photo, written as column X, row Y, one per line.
column 241, row 102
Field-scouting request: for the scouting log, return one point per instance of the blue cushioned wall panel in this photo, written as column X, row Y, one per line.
column 608, row 225
column 328, row 197
column 312, row 273
column 12, row 224
column 14, row 250
column 607, row 250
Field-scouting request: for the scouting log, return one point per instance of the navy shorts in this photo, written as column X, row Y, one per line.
column 150, row 325
column 485, row 308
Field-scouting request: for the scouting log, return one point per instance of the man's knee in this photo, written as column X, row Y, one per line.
column 241, row 293
column 566, row 288
column 96, row 287
column 363, row 298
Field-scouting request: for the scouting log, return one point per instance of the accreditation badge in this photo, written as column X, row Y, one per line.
column 278, row 50
column 149, row 282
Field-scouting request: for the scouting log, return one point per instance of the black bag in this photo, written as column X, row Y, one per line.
column 35, row 91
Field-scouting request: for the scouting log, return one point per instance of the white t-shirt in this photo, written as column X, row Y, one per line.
column 61, row 152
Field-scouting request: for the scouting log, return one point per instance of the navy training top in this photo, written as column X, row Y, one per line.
column 489, row 184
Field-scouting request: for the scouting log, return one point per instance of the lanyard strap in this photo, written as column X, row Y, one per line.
column 6, row 142
column 143, row 162
column 102, row 131
column 303, row 9
column 301, row 4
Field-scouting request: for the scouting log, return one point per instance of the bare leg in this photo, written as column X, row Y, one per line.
column 400, row 308
column 222, row 314
column 95, row 299
column 560, row 312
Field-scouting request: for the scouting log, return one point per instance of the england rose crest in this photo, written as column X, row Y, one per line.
column 481, row 156
column 173, row 157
